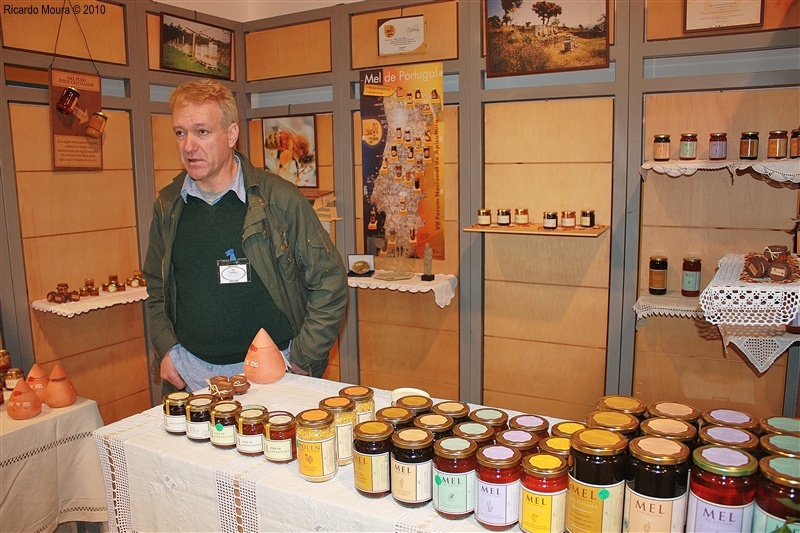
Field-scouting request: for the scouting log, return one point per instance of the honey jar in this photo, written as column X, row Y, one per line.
column 657, row 282
column 316, row 445
column 731, row 418
column 458, row 411
column 778, row 144
column 479, row 433
column 250, row 430
column 777, row 495
column 398, row 417
column 748, row 145
column 780, row 424
column 568, row 219
column 566, row 428
column 198, row 416
column 559, row 446
column 12, row 377
column 484, row 217
column 676, row 410
column 440, row 425
column 68, row 100
column 454, row 466
column 344, row 420
column 495, row 418
column 550, row 220
column 718, row 146
column 222, row 430
column 622, row 404
column 96, row 125
column 504, row 217
column 412, row 466
column 777, row 444
column 497, row 486
column 622, row 423
column 521, row 217
column 372, row 448
column 688, row 147
column 661, row 147
column 522, row 441
column 530, row 423
column 543, row 495
column 280, row 430
column 363, row 398
column 175, row 412
column 417, row 404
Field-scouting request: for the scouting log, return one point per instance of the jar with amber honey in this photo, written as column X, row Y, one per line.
column 748, row 145
column 718, row 146
column 778, row 144
column 316, row 445
column 559, row 446
column 398, row 417
column 670, row 428
column 250, row 430
column 440, row 425
column 676, row 410
column 280, row 430
column 458, row 411
column 661, row 147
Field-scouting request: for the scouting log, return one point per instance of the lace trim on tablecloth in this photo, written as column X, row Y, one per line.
column 761, row 345
column 780, row 170
column 667, row 305
column 90, row 303
column 784, row 171
column 443, row 286
column 237, row 493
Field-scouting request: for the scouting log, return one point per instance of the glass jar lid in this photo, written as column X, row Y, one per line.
column 224, row 409
column 280, row 420
column 337, row 404
column 719, row 134
column 517, row 438
column 532, row 423
column 594, row 441
column 373, row 430
column 679, row 411
column 452, row 409
column 780, row 424
column 661, row 137
column 476, row 431
column 498, row 456
column 395, row 415
column 728, row 436
column 724, row 461
column 658, row 258
column 670, row 428
column 314, row 418
column 555, row 445
column 692, row 260
column 200, row 403
column 730, row 418
column 568, row 214
column 455, row 448
column 357, row 393
column 781, row 470
column 658, row 450
column 750, row 134
column 777, row 444
column 544, row 465
column 415, row 403
column 566, row 428
column 613, row 420
column 177, row 399
column 779, row 132
column 623, row 404
column 434, row 422
column 489, row 416
column 412, row 438
column 688, row 134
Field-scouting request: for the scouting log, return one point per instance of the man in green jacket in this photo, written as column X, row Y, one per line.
column 234, row 249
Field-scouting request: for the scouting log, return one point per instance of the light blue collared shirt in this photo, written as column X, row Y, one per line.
column 237, row 185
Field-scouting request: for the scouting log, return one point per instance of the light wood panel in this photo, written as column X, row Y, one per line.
column 407, row 310
column 558, row 406
column 288, row 50
column 165, row 147
column 125, row 407
column 441, row 35
column 104, row 32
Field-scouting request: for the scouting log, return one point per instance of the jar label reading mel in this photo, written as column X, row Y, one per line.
column 497, row 503
column 707, row 516
column 643, row 513
column 454, row 493
column 371, row 472
column 763, row 521
column 594, row 508
column 542, row 512
column 411, row 482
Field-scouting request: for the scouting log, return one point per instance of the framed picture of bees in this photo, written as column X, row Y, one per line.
column 290, row 148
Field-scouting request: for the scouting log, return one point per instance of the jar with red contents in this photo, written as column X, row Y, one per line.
column 280, row 429
column 497, row 487
column 543, row 495
column 530, row 423
column 198, row 416
column 454, row 466
column 722, row 490
column 495, row 418
column 778, row 495
column 777, row 444
column 480, row 434
column 558, row 446
column 524, row 442
column 250, row 430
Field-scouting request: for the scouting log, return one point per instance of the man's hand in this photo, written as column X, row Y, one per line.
column 170, row 373
column 294, row 369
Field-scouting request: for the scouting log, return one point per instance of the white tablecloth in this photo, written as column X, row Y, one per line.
column 156, row 481
column 49, row 472
column 443, row 285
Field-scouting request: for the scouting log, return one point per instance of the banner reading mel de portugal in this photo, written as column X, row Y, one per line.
column 402, row 126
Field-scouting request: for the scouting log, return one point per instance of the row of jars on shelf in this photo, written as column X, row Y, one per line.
column 550, row 220
column 626, row 464
column 780, row 145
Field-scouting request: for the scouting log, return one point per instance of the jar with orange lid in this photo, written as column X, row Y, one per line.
column 344, row 420
column 175, row 412
column 531, row 423
column 524, row 442
column 497, row 487
column 777, row 444
column 372, row 448
column 479, row 433
column 398, row 417
column 543, row 494
column 676, row 410
column 364, row 400
column 656, row 485
column 778, row 495
column 316, row 445
column 623, row 404
column 670, row 428
column 784, row 425
column 566, row 428
column 250, row 430
column 740, row 439
column 222, row 430
column 454, row 466
column 495, row 418
column 280, row 430
column 596, row 481
column 417, row 404
column 458, row 411
column 559, row 446
column 412, row 466
column 440, row 425
column 731, row 418
column 623, row 423
column 198, row 417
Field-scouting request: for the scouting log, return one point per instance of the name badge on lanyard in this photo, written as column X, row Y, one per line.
column 233, row 270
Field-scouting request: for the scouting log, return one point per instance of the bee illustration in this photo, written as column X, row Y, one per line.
column 293, row 152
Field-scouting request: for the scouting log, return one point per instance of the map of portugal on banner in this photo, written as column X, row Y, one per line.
column 402, row 127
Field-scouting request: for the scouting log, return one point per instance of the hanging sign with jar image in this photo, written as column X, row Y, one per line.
column 76, row 120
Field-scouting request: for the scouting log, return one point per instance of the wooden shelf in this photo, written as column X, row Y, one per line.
column 538, row 229
column 90, row 303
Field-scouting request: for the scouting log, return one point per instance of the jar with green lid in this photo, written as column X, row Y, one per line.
column 524, row 442
column 454, row 466
column 363, row 398
column 596, row 481
column 741, row 439
column 566, row 428
column 412, row 466
column 670, row 428
column 777, row 444
column 780, row 424
column 778, row 495
column 417, row 404
column 531, row 423
column 479, row 433
column 656, row 485
column 623, row 404
column 175, row 412
column 495, row 418
column 676, row 410
column 344, row 420
column 250, row 430
column 623, row 423
column 398, row 417
column 372, row 448
column 222, row 430
column 722, row 489
column 439, row 425
column 198, row 417
column 316, row 445
column 458, row 411
column 543, row 494
column 731, row 418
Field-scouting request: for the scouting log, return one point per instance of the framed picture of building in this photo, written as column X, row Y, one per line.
column 193, row 47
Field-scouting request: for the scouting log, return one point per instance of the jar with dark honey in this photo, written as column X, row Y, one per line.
column 622, row 404
column 497, row 487
column 690, row 281
column 550, row 219
column 175, row 412
column 522, row 441
column 198, row 417
column 531, row 423
column 454, row 466
column 658, row 275
column 280, row 430
column 222, row 430
column 497, row 419
column 777, row 495
column 372, row 448
column 458, row 411
column 412, row 466
column 543, row 495
column 722, row 490
column 417, row 404
column 794, row 144
column 250, row 430
column 440, row 425
column 748, row 145
column 566, row 428
column 479, row 433
column 398, row 417
column 587, row 218
column 316, row 445
column 670, row 428
column 623, row 423
column 656, row 485
column 596, row 481
column 661, row 147
column 504, row 217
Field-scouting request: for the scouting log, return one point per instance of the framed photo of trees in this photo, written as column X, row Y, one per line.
column 532, row 37
column 192, row 47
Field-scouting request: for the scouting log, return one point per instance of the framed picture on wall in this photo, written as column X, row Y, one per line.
column 195, row 48
column 290, row 148
column 538, row 37
column 710, row 15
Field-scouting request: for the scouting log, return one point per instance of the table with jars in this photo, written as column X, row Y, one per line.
column 308, row 454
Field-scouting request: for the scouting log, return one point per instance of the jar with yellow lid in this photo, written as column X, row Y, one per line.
column 198, row 417
column 479, row 433
column 656, row 486
column 495, row 418
column 363, row 398
column 777, row 444
column 372, row 448
column 731, row 418
column 558, row 446
column 676, row 410
column 524, row 442
column 222, row 430
column 566, row 428
column 417, row 404
column 623, row 423
column 670, row 428
column 458, row 411
column 280, row 432
column 596, row 481
column 543, row 494
column 778, row 495
column 316, row 445
column 740, row 439
column 398, row 417
column 412, row 466
column 344, row 420
column 440, row 425
column 780, row 424
column 531, row 423
column 175, row 412
column 250, row 430
column 623, row 404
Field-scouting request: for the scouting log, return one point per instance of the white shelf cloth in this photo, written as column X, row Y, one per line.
column 443, row 285
column 781, row 170
column 90, row 303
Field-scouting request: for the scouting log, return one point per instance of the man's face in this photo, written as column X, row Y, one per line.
column 205, row 145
